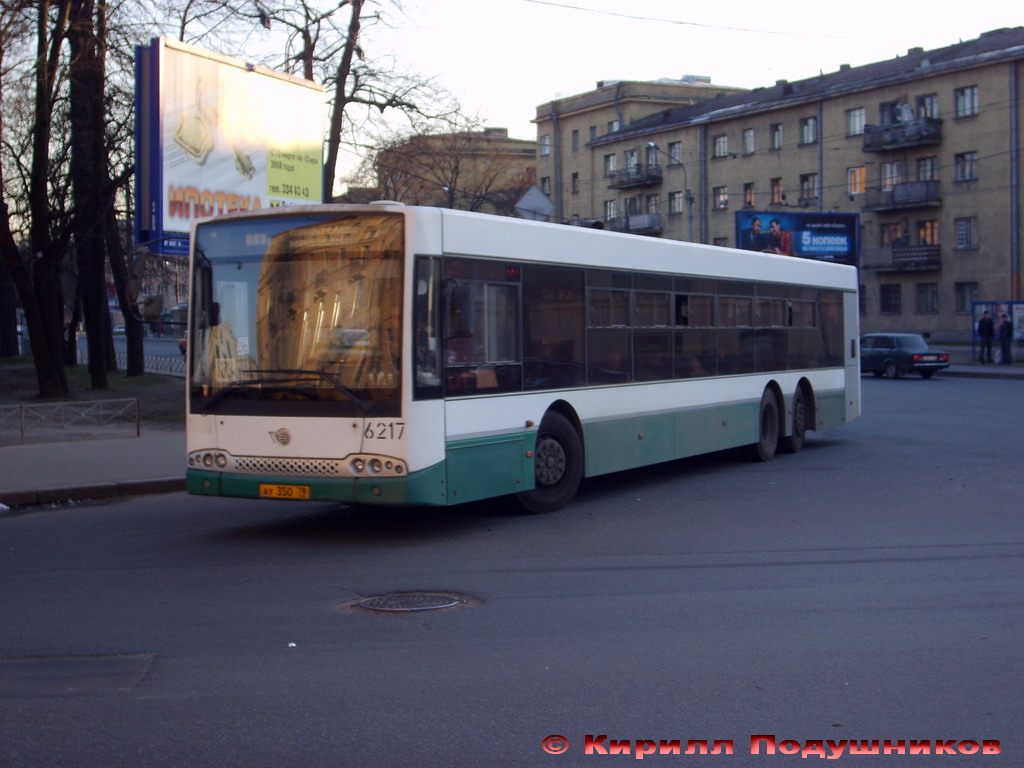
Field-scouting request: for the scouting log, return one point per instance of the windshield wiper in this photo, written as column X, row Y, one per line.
column 330, row 378
column 239, row 385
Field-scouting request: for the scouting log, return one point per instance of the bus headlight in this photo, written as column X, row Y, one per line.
column 358, row 466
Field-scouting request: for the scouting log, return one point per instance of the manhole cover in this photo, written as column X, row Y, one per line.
column 407, row 602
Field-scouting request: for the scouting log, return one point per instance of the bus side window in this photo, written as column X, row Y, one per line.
column 427, row 333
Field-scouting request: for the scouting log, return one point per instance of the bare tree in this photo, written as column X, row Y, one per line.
column 455, row 164
column 36, row 270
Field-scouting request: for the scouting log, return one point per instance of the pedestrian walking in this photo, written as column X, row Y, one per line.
column 986, row 332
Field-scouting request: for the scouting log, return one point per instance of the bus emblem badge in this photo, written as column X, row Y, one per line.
column 281, row 436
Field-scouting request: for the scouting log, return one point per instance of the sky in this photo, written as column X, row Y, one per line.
column 503, row 58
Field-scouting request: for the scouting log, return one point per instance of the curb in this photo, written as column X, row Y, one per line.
column 89, row 492
column 986, row 375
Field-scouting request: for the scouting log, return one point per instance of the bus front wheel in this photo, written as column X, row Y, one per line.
column 558, row 466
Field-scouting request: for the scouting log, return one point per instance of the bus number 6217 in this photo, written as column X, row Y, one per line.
column 385, row 430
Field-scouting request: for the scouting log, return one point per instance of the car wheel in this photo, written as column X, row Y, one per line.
column 768, row 429
column 558, row 466
column 892, row 371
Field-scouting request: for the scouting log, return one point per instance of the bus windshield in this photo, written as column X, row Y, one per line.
column 297, row 315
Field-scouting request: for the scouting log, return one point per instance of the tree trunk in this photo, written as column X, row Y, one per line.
column 135, row 345
column 340, row 100
column 90, row 183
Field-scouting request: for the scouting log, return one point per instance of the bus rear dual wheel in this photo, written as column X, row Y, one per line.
column 770, row 437
column 558, row 466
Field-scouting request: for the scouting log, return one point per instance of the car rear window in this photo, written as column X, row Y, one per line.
column 913, row 343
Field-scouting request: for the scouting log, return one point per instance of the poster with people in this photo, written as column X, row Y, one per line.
column 823, row 236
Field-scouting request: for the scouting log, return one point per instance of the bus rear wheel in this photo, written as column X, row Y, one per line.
column 768, row 430
column 795, row 441
column 558, row 466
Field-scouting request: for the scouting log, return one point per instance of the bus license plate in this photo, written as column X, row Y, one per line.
column 274, row 491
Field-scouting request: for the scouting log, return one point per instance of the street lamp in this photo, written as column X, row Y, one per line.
column 686, row 185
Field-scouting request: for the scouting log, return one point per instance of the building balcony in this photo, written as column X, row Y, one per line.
column 902, row 258
column 638, row 224
column 911, row 194
column 904, row 134
column 637, row 176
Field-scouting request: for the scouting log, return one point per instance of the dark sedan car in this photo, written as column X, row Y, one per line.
column 894, row 354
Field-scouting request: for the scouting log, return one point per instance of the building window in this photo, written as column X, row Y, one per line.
column 966, row 295
column 612, row 126
column 748, row 195
column 808, row 130
column 966, row 100
column 651, row 157
column 855, row 121
column 778, row 196
column 776, row 135
column 545, row 145
column 927, row 169
column 545, row 185
column 675, row 202
column 575, row 181
column 721, row 197
column 808, row 186
column 966, row 166
column 928, row 105
column 928, row 232
column 632, row 158
column 576, row 140
column 675, row 153
column 889, row 299
column 611, row 210
column 651, row 204
column 856, row 180
column 966, row 232
column 887, row 112
column 748, row 141
column 892, row 233
column 892, row 174
column 609, row 165
column 927, row 298
column 721, row 146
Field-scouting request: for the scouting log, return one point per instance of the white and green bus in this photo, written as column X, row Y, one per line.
column 395, row 355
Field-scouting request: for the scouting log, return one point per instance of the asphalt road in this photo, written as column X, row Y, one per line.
column 868, row 588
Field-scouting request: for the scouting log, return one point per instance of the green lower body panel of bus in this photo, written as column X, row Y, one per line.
column 474, row 469
column 637, row 441
column 423, row 488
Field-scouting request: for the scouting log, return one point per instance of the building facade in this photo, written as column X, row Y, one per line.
column 470, row 170
column 923, row 148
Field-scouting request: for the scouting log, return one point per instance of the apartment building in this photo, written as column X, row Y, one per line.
column 923, row 148
column 568, row 127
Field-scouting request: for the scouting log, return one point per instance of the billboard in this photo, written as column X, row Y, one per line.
column 215, row 135
column 822, row 236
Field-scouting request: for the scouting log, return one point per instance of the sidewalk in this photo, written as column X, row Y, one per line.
column 51, row 473
column 154, row 462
